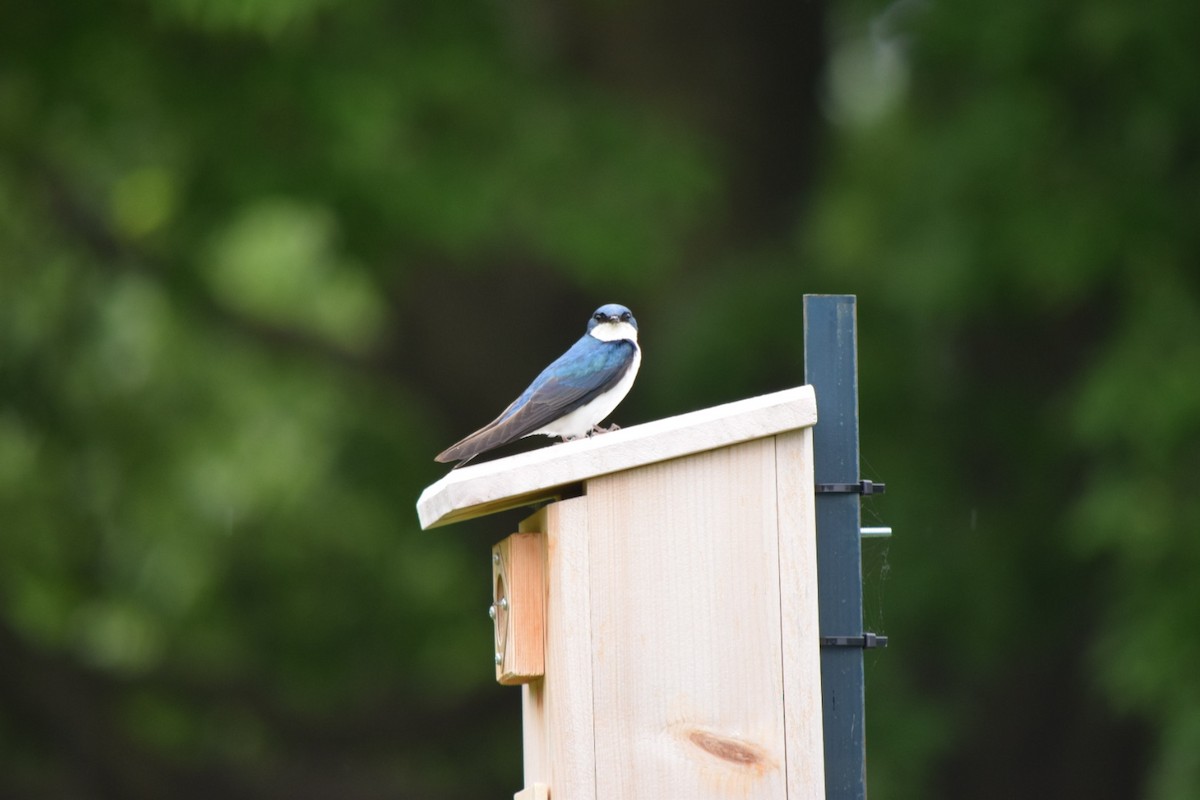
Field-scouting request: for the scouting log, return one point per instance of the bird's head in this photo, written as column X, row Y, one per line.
column 612, row 322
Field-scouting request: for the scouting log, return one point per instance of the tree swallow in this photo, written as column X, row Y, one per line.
column 572, row 395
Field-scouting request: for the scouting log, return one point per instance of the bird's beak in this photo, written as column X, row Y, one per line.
column 613, row 318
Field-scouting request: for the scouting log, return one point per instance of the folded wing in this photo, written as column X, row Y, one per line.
column 588, row 369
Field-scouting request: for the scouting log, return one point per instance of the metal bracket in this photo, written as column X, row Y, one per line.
column 868, row 641
column 862, row 487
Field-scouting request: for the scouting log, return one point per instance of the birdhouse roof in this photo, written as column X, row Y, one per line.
column 560, row 470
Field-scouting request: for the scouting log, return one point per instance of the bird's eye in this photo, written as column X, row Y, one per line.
column 626, row 316
column 598, row 317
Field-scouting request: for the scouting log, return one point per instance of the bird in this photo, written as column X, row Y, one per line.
column 572, row 395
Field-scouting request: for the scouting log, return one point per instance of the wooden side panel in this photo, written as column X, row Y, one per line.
column 535, row 733
column 557, row 710
column 686, row 628
column 800, row 620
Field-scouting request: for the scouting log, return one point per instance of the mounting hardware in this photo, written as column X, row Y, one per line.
column 862, row 487
column 868, row 641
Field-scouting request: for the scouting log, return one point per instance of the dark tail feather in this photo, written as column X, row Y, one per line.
column 480, row 441
column 455, row 453
column 463, row 463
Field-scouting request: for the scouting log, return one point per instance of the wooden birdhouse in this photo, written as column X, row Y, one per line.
column 659, row 608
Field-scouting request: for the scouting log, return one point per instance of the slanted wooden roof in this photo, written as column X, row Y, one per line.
column 540, row 475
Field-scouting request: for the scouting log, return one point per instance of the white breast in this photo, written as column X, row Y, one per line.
column 581, row 421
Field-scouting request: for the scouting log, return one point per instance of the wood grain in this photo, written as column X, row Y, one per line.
column 519, row 597
column 558, row 710
column 799, row 615
column 686, row 628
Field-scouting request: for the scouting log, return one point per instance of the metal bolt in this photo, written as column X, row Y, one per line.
column 503, row 603
column 875, row 533
column 492, row 611
column 495, row 558
column 499, row 659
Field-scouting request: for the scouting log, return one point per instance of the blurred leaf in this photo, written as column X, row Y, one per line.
column 277, row 261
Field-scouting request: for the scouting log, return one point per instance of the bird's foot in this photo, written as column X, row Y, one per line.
column 600, row 429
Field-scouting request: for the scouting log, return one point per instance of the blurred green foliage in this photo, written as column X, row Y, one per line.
column 1029, row 212
column 259, row 261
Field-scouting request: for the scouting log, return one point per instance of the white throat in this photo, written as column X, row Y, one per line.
column 612, row 331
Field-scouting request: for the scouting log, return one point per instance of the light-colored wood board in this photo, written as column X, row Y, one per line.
column 799, row 615
column 686, row 628
column 562, row 730
column 538, row 791
column 535, row 733
column 535, row 736
column 527, row 478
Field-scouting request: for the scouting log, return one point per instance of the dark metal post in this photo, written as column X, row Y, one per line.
column 831, row 367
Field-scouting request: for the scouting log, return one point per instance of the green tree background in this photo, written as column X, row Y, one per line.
column 261, row 259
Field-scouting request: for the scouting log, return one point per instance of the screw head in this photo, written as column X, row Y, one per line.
column 492, row 611
column 499, row 659
column 503, row 603
column 495, row 558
